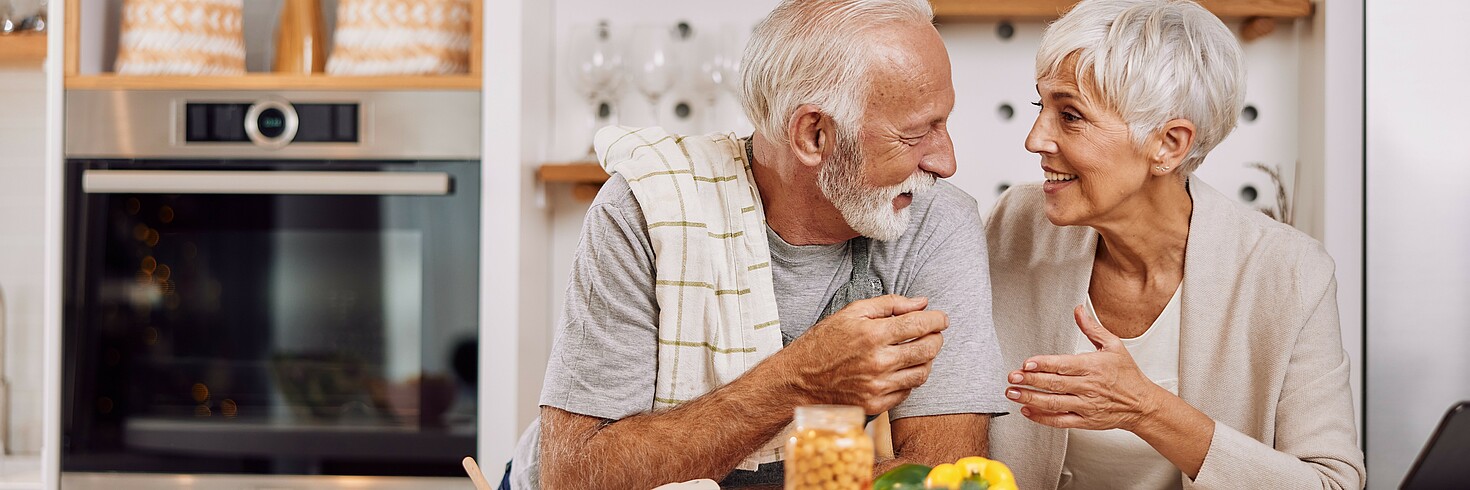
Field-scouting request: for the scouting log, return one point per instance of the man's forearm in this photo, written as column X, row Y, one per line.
column 704, row 438
column 937, row 439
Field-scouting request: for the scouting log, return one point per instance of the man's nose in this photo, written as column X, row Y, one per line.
column 941, row 164
column 941, row 161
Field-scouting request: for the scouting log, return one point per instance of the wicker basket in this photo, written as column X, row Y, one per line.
column 181, row 37
column 401, row 37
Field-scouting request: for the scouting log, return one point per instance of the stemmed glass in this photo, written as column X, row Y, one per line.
column 38, row 20
column 711, row 73
column 597, row 71
column 653, row 56
column 7, row 14
column 732, row 47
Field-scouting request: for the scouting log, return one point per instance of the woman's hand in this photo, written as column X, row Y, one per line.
column 1097, row 390
column 1106, row 390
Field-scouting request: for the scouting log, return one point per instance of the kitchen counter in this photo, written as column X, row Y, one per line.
column 20, row 473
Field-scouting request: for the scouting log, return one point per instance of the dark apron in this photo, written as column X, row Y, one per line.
column 862, row 284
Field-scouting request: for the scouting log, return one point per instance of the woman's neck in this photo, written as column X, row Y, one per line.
column 1148, row 240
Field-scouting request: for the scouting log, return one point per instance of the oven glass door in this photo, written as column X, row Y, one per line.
column 269, row 317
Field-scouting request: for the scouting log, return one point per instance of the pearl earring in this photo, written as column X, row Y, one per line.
column 1162, row 168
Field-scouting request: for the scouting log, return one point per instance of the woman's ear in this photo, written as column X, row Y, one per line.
column 811, row 134
column 1176, row 138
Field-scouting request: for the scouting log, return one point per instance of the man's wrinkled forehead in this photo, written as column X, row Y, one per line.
column 910, row 69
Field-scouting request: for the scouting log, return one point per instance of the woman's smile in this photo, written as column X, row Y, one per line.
column 1056, row 181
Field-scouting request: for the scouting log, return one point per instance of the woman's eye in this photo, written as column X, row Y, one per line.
column 1037, row 104
column 1070, row 117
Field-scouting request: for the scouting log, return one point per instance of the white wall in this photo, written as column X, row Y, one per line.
column 1330, row 173
column 513, row 265
column 1418, row 231
column 22, row 164
column 22, row 239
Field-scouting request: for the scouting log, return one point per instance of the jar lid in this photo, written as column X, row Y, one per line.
column 829, row 416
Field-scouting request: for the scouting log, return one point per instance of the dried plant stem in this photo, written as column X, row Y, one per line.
column 1282, row 212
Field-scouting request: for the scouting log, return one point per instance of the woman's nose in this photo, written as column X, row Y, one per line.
column 1039, row 140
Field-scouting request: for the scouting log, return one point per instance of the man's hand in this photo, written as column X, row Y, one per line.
column 870, row 354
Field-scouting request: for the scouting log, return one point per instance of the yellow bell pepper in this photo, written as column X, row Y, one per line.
column 953, row 476
column 946, row 476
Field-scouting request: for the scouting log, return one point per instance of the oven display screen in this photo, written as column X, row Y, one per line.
column 225, row 123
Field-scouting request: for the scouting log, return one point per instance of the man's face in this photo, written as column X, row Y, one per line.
column 903, row 144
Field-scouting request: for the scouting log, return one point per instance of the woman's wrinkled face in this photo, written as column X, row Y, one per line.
column 1087, row 153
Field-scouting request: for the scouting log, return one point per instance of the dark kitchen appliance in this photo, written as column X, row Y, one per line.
column 266, row 290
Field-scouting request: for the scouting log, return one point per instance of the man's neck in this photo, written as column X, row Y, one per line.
column 795, row 207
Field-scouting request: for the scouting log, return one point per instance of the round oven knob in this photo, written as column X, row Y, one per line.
column 271, row 123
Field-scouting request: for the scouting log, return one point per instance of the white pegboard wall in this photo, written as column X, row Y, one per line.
column 571, row 127
column 993, row 76
column 992, row 72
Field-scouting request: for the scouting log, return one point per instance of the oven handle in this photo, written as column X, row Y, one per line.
column 259, row 182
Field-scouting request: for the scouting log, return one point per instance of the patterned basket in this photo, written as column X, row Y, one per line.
column 181, row 37
column 401, row 37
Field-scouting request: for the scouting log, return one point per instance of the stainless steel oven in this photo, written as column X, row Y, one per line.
column 270, row 290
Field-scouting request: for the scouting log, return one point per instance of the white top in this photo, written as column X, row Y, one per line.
column 1117, row 458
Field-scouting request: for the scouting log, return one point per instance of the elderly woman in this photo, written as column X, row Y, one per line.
column 1204, row 350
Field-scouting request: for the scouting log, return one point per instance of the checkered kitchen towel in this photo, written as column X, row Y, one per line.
column 717, row 304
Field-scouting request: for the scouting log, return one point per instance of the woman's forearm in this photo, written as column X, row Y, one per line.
column 1179, row 432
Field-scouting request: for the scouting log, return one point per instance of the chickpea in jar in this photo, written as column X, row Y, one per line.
column 830, row 450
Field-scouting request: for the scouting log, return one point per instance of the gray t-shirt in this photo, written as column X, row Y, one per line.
column 605, row 353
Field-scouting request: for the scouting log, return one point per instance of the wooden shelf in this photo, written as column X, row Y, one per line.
column 268, row 81
column 963, row 10
column 572, row 173
column 586, row 178
column 22, row 49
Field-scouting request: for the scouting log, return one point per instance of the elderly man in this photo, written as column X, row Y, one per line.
column 721, row 282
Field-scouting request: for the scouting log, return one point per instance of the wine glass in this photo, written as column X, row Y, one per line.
column 37, row 21
column 652, row 53
column 732, row 44
column 7, row 14
column 710, row 73
column 597, row 71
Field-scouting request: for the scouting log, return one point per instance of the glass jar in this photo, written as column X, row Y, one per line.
column 830, row 450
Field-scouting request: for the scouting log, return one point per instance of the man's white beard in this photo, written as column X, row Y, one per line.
column 868, row 211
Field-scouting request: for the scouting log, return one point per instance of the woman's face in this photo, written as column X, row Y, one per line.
column 1093, row 170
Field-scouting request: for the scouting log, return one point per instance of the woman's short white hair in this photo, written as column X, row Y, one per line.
column 1153, row 61
column 816, row 52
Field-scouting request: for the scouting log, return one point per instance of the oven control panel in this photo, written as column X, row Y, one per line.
column 270, row 123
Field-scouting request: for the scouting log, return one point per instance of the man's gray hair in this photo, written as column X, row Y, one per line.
column 1153, row 61
column 816, row 52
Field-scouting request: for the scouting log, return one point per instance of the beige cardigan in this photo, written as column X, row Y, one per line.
column 1260, row 348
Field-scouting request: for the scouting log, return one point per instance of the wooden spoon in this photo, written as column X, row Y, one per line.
column 475, row 474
